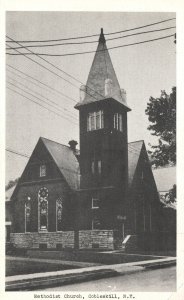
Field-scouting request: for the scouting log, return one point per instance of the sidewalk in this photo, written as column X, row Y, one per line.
column 47, row 279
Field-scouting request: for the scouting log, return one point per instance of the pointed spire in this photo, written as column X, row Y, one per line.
column 102, row 81
column 102, row 38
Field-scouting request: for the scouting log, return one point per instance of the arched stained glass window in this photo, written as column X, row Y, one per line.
column 43, row 209
column 59, row 212
column 28, row 215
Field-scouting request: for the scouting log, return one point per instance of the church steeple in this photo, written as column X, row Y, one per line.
column 102, row 38
column 102, row 82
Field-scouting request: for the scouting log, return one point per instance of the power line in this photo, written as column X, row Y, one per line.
column 57, row 106
column 17, row 153
column 147, row 25
column 88, row 52
column 38, row 99
column 40, row 105
column 91, row 42
column 21, row 154
column 64, row 72
column 46, row 68
column 94, row 35
column 55, row 90
column 27, row 156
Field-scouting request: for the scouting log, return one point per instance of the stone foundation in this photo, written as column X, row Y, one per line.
column 50, row 239
column 88, row 239
column 96, row 239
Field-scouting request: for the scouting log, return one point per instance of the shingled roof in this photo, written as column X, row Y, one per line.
column 66, row 161
column 69, row 165
column 102, row 69
column 134, row 151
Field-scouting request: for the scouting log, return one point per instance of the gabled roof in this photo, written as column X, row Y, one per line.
column 9, row 193
column 65, row 160
column 134, row 151
column 165, row 178
column 101, row 69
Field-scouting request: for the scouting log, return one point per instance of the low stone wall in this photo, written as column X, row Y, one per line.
column 51, row 239
column 96, row 239
column 87, row 239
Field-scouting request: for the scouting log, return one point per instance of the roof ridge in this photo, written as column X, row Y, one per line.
column 164, row 167
column 136, row 142
column 41, row 137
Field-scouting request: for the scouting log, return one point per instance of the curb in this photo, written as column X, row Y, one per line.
column 36, row 283
column 40, row 283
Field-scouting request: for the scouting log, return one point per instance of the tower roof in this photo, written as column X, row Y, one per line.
column 102, row 82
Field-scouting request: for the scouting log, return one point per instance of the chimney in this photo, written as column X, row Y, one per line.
column 73, row 145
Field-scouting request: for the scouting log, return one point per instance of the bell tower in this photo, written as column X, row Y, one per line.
column 103, row 140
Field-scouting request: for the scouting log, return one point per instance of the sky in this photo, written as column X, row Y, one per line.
column 142, row 70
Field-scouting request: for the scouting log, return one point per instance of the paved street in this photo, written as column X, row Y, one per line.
column 159, row 280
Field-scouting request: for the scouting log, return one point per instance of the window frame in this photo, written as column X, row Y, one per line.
column 95, row 120
column 43, row 170
column 95, row 198
column 59, row 203
column 96, row 166
column 27, row 202
column 118, row 121
column 41, row 200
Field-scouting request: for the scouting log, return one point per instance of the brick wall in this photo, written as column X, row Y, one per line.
column 87, row 239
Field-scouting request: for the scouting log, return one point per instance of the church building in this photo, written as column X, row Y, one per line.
column 101, row 196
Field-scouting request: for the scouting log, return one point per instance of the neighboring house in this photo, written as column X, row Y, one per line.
column 100, row 197
column 165, row 179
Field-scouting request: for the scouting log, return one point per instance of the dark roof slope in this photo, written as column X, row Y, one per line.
column 65, row 160
column 134, row 151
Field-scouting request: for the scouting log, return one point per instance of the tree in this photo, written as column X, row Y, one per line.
column 170, row 197
column 162, row 114
column 11, row 183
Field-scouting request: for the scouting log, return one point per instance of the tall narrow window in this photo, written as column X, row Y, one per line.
column 96, row 167
column 28, row 215
column 95, row 120
column 43, row 209
column 96, row 224
column 99, row 167
column 42, row 170
column 59, row 210
column 118, row 121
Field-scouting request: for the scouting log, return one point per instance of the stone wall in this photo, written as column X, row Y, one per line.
column 96, row 239
column 87, row 239
column 51, row 239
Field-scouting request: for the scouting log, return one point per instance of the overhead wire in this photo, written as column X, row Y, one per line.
column 67, row 117
column 27, row 156
column 41, row 105
column 89, row 52
column 64, row 72
column 17, row 153
column 143, row 26
column 55, row 103
column 94, row 35
column 91, row 42
column 41, row 82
